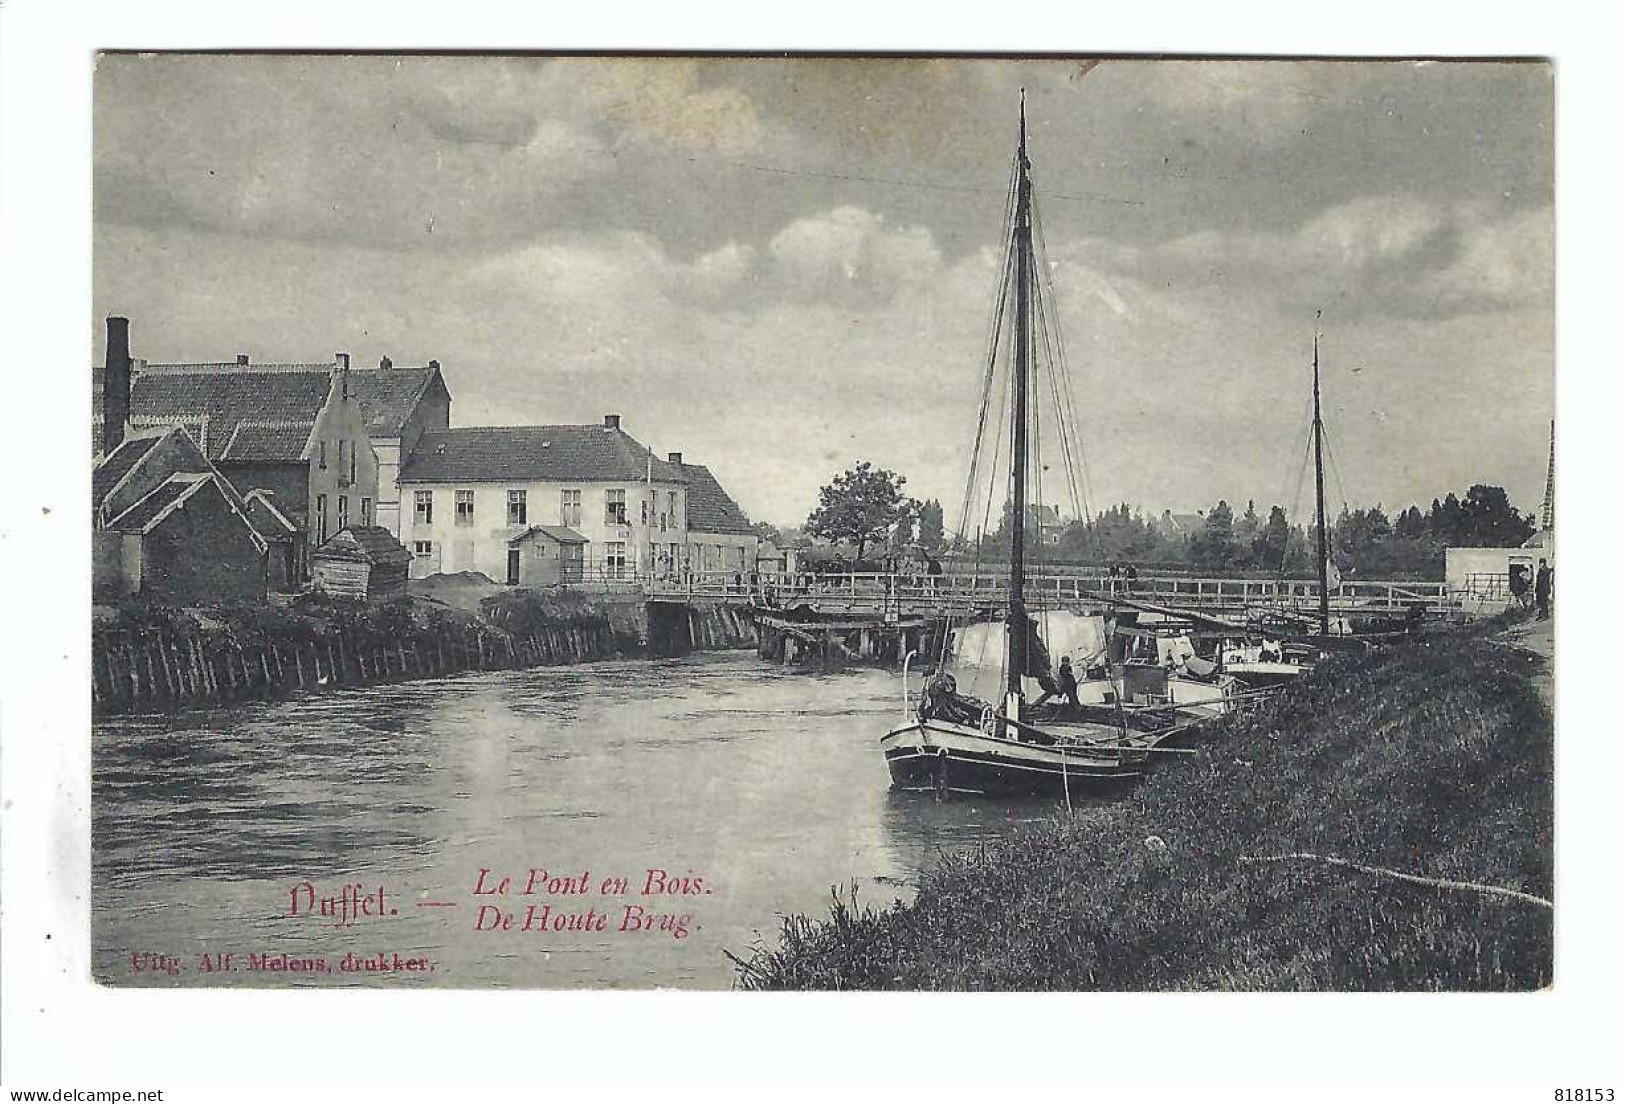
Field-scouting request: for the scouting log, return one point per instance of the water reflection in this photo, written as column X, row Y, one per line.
column 767, row 785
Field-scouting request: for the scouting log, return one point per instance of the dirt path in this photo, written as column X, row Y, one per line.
column 1537, row 638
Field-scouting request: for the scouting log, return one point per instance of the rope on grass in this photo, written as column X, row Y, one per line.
column 1439, row 883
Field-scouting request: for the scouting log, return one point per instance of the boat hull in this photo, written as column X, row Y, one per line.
column 950, row 758
column 1261, row 675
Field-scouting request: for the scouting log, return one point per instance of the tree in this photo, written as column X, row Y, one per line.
column 1360, row 542
column 768, row 532
column 1247, row 531
column 1489, row 521
column 1270, row 545
column 931, row 537
column 860, row 506
column 1215, row 548
column 902, row 534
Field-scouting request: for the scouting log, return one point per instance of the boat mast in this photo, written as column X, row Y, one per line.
column 1016, row 630
column 1320, row 496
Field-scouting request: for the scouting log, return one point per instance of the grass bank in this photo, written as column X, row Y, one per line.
column 1432, row 759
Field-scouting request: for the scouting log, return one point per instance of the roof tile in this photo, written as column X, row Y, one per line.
column 710, row 509
column 522, row 453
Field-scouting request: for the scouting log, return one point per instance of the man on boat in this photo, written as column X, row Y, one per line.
column 1064, row 686
column 941, row 701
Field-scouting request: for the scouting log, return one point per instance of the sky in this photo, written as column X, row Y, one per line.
column 780, row 267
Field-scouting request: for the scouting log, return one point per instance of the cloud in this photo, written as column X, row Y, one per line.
column 430, row 157
column 1400, row 256
column 1497, row 263
column 612, row 270
column 664, row 98
column 1269, row 101
column 849, row 254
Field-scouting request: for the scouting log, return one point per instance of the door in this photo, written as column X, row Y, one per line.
column 513, row 567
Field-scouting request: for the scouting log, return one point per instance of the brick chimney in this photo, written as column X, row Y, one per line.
column 341, row 373
column 385, row 363
column 434, row 366
column 612, row 421
column 242, row 360
column 674, row 458
column 116, row 384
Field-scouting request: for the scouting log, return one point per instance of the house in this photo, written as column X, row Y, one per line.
column 1046, row 524
column 1181, row 525
column 285, row 541
column 720, row 536
column 361, row 561
column 546, row 555
column 167, row 526
column 773, row 560
column 295, row 432
column 474, row 490
column 399, row 404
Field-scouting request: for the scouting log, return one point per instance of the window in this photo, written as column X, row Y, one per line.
column 615, row 509
column 423, row 549
column 321, row 519
column 570, row 508
column 516, row 507
column 615, row 557
column 513, row 566
column 464, row 514
column 321, row 453
column 352, row 464
column 423, row 507
column 340, row 444
column 671, row 508
column 344, row 511
column 366, row 511
column 643, row 511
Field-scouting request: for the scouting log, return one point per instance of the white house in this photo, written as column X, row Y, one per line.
column 474, row 499
column 467, row 493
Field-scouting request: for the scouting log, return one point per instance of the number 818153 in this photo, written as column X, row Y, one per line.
column 1582, row 1096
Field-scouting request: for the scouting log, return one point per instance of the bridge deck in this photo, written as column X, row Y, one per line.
column 898, row 595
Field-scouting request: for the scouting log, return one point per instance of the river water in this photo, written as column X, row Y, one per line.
column 750, row 791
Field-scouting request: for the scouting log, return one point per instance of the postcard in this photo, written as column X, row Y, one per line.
column 822, row 522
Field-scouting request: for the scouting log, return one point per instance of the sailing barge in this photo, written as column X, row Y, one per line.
column 952, row 742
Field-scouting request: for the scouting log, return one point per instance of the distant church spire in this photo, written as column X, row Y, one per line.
column 1551, row 481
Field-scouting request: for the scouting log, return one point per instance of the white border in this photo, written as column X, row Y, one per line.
column 61, row 1031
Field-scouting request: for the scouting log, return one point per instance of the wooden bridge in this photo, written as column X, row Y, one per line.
column 908, row 596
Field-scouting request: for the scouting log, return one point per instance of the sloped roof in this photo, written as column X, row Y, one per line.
column 266, row 517
column 172, row 492
column 389, row 395
column 372, row 544
column 520, row 453
column 267, row 441
column 213, row 400
column 561, row 533
column 1183, row 523
column 119, row 463
column 710, row 509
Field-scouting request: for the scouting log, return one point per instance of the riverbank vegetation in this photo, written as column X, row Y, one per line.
column 1229, row 540
column 1432, row 759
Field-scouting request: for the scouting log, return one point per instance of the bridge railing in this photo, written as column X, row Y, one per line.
column 990, row 588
